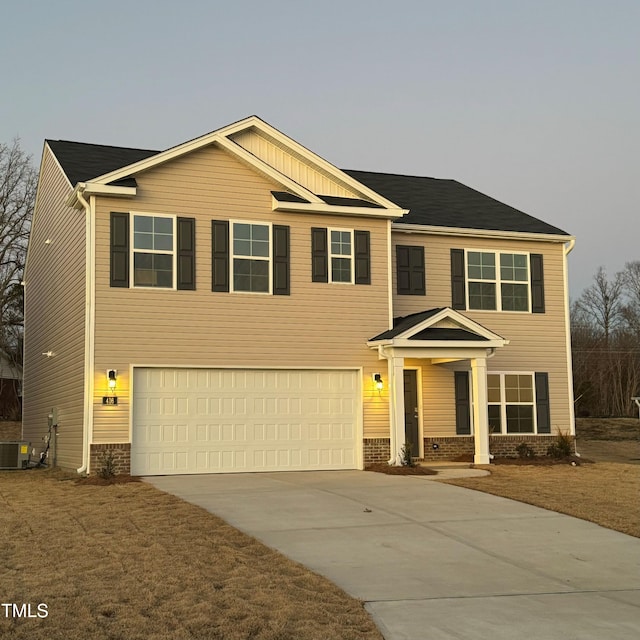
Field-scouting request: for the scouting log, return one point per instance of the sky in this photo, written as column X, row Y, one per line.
column 535, row 103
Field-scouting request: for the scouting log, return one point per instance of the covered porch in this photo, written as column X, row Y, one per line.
column 439, row 337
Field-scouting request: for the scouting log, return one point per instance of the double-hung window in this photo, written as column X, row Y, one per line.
column 511, row 399
column 153, row 251
column 341, row 255
column 498, row 281
column 251, row 257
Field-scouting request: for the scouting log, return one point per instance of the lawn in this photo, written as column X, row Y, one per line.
column 130, row 562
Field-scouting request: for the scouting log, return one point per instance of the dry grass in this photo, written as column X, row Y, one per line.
column 129, row 562
column 605, row 493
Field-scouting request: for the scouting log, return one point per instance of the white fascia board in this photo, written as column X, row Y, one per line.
column 315, row 159
column 97, row 189
column 430, row 352
column 456, row 317
column 267, row 170
column 448, row 344
column 338, row 210
column 480, row 233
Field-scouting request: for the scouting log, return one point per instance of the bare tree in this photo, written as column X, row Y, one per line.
column 602, row 303
column 18, row 181
column 631, row 310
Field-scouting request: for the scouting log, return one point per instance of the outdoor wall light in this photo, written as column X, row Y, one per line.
column 112, row 376
column 377, row 378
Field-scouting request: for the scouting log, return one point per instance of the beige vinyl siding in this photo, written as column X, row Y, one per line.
column 54, row 317
column 292, row 165
column 537, row 340
column 318, row 325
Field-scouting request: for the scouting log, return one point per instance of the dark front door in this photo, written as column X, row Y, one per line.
column 411, row 411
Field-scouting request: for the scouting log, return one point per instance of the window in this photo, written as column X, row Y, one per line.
column 511, row 403
column 251, row 257
column 153, row 251
column 341, row 255
column 497, row 281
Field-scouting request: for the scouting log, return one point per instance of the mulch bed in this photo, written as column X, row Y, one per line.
column 383, row 467
column 121, row 478
column 538, row 461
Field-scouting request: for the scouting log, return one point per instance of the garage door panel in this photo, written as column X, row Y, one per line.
column 214, row 421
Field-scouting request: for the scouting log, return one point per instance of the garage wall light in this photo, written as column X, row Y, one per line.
column 377, row 378
column 112, row 376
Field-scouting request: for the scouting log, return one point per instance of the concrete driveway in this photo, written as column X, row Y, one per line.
column 435, row 561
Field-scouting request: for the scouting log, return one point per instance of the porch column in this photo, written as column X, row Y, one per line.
column 396, row 396
column 480, row 410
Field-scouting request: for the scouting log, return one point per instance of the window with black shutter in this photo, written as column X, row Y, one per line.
column 410, row 271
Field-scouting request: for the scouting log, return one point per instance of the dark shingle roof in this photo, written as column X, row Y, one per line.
column 448, row 203
column 431, row 201
column 81, row 161
column 402, row 323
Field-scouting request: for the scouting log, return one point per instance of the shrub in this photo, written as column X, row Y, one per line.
column 562, row 447
column 405, row 455
column 108, row 468
column 525, row 451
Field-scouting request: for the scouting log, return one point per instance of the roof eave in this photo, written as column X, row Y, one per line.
column 339, row 210
column 96, row 189
column 481, row 233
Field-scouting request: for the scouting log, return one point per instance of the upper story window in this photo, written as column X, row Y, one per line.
column 251, row 257
column 410, row 270
column 341, row 255
column 153, row 250
column 497, row 281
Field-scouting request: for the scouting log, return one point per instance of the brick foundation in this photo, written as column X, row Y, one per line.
column 376, row 450
column 442, row 449
column 121, row 457
column 506, row 446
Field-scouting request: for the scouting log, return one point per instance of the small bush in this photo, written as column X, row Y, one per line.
column 405, row 455
column 108, row 468
column 525, row 451
column 562, row 447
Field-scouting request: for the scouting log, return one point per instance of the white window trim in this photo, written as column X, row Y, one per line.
column 233, row 256
column 340, row 255
column 498, row 281
column 503, row 402
column 133, row 251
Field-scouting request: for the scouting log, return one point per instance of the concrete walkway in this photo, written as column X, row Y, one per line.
column 435, row 561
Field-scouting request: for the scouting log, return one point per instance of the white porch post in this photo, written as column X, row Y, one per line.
column 480, row 410
column 396, row 392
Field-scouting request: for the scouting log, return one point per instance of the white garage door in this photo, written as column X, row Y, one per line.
column 234, row 420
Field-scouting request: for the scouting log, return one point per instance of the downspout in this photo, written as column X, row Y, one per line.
column 88, row 326
column 567, row 248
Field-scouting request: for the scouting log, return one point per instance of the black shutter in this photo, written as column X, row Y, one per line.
column 543, row 412
column 281, row 285
column 119, row 267
column 410, row 270
column 537, row 283
column 458, row 290
column 319, row 255
column 362, row 254
column 463, row 403
column 187, row 253
column 220, row 255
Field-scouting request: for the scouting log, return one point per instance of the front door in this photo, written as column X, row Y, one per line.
column 411, row 428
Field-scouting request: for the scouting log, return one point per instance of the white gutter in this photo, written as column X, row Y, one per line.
column 401, row 227
column 568, row 247
column 88, row 322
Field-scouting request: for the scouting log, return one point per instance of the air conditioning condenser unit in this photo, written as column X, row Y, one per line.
column 14, row 455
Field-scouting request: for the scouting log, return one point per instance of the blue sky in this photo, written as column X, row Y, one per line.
column 534, row 103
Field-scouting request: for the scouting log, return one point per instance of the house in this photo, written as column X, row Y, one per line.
column 237, row 303
column 10, row 388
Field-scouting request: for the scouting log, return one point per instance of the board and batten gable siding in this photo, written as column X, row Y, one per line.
column 537, row 340
column 55, row 318
column 317, row 325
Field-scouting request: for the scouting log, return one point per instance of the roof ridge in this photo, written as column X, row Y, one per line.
column 104, row 146
column 398, row 175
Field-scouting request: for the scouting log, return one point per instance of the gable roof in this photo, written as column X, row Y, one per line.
column 430, row 202
column 449, row 203
column 437, row 326
column 81, row 161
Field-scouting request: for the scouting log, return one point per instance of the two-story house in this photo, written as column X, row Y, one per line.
column 237, row 303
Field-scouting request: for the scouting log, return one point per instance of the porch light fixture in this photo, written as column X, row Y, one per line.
column 112, row 375
column 377, row 378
